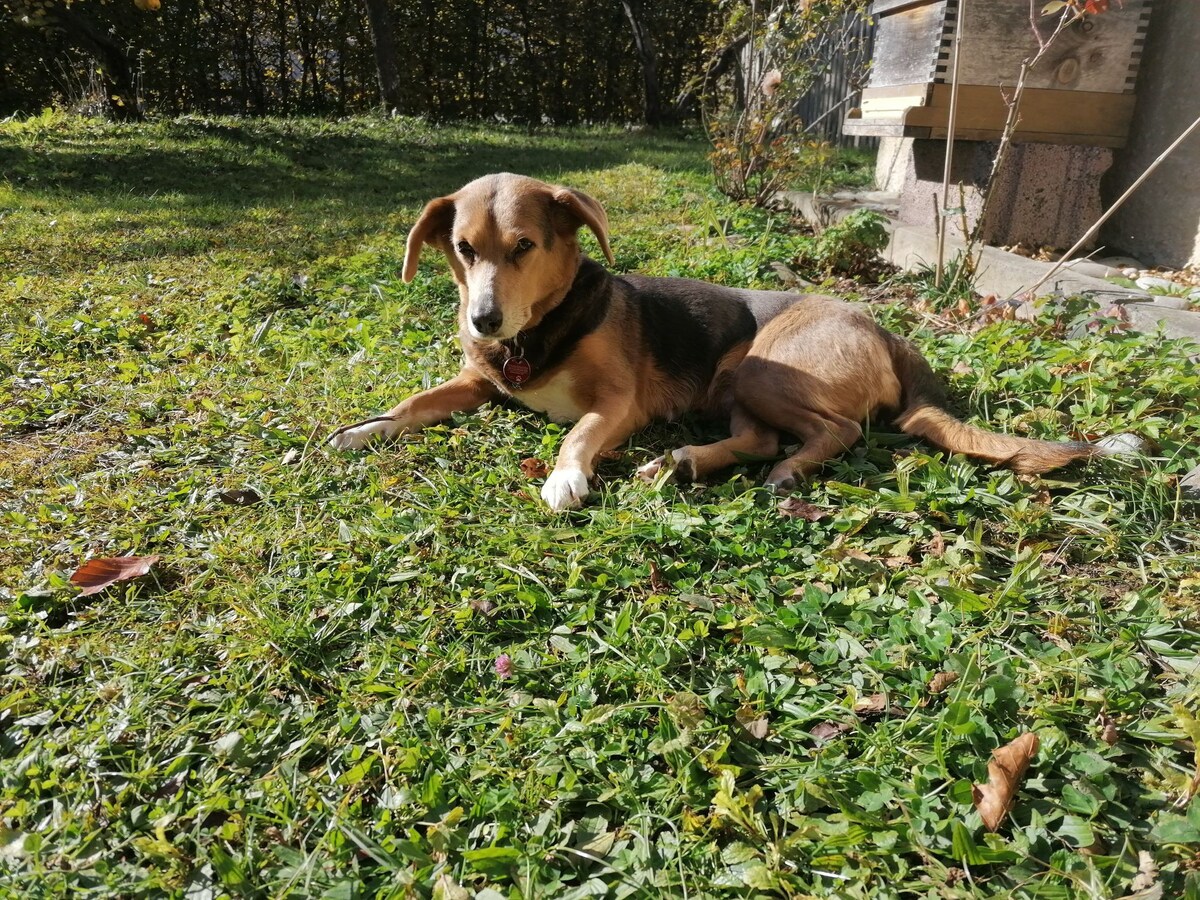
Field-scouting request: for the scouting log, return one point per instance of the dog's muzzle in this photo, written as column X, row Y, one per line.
column 486, row 318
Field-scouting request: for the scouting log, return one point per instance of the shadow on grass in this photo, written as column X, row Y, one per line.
column 281, row 190
column 271, row 163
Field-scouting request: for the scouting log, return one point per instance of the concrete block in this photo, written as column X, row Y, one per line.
column 1045, row 194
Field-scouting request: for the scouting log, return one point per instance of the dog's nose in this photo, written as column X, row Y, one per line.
column 488, row 321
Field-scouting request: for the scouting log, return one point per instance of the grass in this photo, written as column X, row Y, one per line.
column 302, row 699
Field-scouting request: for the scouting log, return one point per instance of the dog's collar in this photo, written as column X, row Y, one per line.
column 546, row 345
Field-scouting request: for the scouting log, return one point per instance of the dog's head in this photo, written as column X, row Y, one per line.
column 511, row 242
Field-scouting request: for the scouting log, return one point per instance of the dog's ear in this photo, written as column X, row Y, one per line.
column 583, row 210
column 433, row 227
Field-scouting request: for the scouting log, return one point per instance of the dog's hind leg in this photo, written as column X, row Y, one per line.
column 749, row 438
column 823, row 438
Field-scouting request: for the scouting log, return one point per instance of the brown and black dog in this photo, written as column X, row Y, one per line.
column 543, row 324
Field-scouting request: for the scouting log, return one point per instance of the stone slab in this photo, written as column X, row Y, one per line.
column 1007, row 274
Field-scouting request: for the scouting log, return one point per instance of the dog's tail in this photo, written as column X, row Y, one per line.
column 923, row 413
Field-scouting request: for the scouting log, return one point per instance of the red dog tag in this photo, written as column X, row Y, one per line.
column 516, row 370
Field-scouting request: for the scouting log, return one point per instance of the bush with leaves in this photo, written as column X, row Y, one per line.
column 779, row 51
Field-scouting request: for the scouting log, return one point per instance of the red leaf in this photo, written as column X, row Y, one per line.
column 97, row 574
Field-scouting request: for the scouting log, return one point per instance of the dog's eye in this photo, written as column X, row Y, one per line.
column 467, row 251
column 523, row 245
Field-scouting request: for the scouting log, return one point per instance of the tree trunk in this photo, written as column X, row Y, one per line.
column 652, row 108
column 379, row 18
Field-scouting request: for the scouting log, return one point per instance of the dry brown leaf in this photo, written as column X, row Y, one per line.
column 1006, row 771
column 1147, row 874
column 942, row 680
column 658, row 582
column 961, row 368
column 963, row 307
column 827, row 731
column 97, row 574
column 1108, row 733
column 795, row 508
column 876, row 705
column 936, row 547
column 534, row 468
column 754, row 725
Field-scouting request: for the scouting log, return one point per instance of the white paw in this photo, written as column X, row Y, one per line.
column 565, row 489
column 355, row 437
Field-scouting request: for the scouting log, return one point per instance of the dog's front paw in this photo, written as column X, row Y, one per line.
column 358, row 435
column 565, row 489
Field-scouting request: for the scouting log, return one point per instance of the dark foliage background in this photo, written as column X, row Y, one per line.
column 529, row 61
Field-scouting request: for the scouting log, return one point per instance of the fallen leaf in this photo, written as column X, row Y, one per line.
column 942, row 680
column 961, row 368
column 963, row 307
column 245, row 497
column 876, row 705
column 446, row 888
column 1006, row 771
column 827, row 731
column 658, row 583
column 483, row 606
column 97, row 574
column 795, row 508
column 1147, row 874
column 754, row 725
column 936, row 546
column 534, row 468
column 1108, row 732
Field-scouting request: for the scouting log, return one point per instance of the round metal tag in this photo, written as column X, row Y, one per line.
column 516, row 370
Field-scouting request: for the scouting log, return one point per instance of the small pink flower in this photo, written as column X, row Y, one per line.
column 504, row 666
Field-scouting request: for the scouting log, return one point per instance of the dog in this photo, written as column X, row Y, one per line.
column 543, row 324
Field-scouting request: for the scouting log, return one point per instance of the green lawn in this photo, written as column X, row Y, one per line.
column 302, row 699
